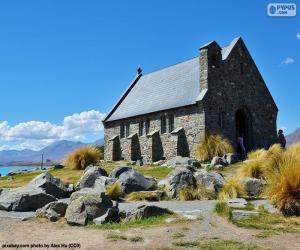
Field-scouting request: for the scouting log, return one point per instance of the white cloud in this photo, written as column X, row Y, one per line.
column 298, row 35
column 288, row 60
column 37, row 134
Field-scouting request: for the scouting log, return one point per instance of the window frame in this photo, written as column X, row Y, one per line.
column 163, row 124
column 221, row 120
column 127, row 129
column 141, row 128
column 147, row 126
column 122, row 131
column 171, row 125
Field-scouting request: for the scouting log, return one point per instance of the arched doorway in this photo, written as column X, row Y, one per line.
column 243, row 124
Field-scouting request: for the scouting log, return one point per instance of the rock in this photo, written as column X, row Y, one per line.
column 102, row 182
column 179, row 178
column 231, row 158
column 132, row 181
column 158, row 163
column 179, row 161
column 71, row 188
column 218, row 167
column 17, row 172
column 162, row 183
column 218, row 161
column 112, row 215
column 50, row 185
column 24, row 199
column 210, row 179
column 242, row 214
column 236, row 203
column 146, row 211
column 58, row 166
column 118, row 171
column 83, row 192
column 141, row 162
column 89, row 177
column 53, row 210
column 87, row 207
column 253, row 186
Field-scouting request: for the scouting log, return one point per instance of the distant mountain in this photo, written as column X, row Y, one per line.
column 54, row 152
column 293, row 137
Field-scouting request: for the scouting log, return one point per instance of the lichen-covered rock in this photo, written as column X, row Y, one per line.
column 87, row 207
column 132, row 181
column 53, row 210
column 24, row 199
column 178, row 179
column 253, row 186
column 89, row 177
column 146, row 211
column 231, row 158
column 210, row 180
column 218, row 161
column 119, row 170
column 180, row 161
column 111, row 215
column 50, row 185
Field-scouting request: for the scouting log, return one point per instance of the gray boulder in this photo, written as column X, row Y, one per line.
column 102, row 182
column 53, row 210
column 89, row 177
column 146, row 211
column 218, row 161
column 87, row 207
column 50, row 185
column 210, row 180
column 24, row 199
column 242, row 214
column 236, row 203
column 118, row 171
column 180, row 178
column 231, row 158
column 179, row 161
column 132, row 181
column 111, row 215
column 253, row 186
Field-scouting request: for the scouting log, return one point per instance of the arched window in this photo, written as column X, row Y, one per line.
column 163, row 124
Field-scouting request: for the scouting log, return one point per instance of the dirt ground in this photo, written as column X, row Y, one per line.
column 34, row 231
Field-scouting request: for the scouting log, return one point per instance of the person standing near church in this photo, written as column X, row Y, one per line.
column 281, row 139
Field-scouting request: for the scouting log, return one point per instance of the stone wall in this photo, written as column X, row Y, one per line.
column 236, row 84
column 189, row 118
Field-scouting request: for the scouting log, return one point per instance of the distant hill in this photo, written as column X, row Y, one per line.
column 54, row 152
column 293, row 137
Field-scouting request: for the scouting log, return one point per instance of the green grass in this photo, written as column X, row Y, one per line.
column 69, row 175
column 116, row 237
column 219, row 244
column 178, row 235
column 270, row 223
column 136, row 239
column 144, row 223
column 187, row 243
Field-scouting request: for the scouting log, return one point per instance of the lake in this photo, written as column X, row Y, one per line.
column 4, row 170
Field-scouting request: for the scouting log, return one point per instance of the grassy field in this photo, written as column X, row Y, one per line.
column 269, row 223
column 72, row 176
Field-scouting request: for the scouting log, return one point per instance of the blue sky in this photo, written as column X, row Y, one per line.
column 63, row 64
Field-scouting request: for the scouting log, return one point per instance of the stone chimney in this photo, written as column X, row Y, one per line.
column 210, row 59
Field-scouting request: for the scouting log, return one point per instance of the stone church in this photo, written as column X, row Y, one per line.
column 165, row 113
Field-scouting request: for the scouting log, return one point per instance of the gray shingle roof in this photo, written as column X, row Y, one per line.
column 170, row 87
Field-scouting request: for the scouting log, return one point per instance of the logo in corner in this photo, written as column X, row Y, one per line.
column 281, row 9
